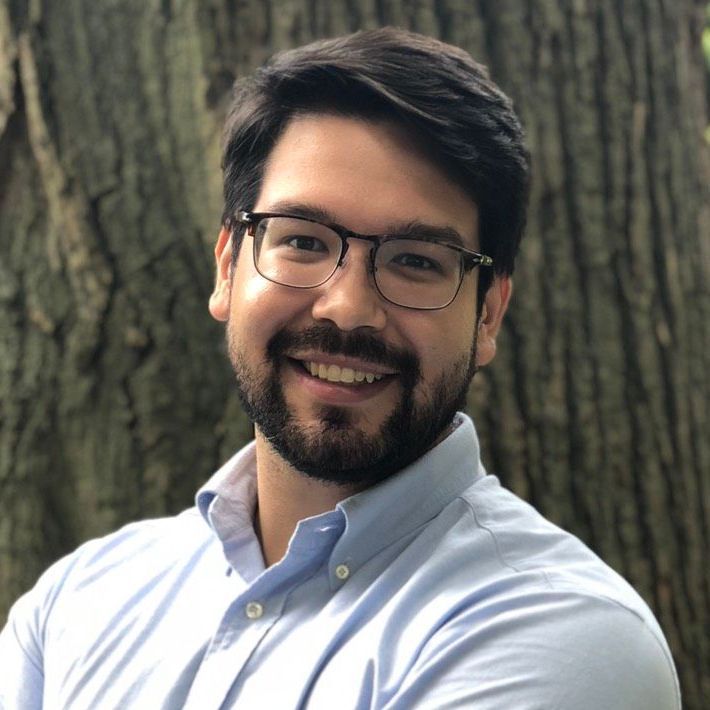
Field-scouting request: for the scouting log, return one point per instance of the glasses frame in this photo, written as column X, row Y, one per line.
column 469, row 258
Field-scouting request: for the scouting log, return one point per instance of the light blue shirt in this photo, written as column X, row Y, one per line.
column 436, row 589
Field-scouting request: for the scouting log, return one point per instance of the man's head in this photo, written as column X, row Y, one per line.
column 381, row 132
column 435, row 91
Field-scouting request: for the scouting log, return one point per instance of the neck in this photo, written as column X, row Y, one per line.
column 285, row 496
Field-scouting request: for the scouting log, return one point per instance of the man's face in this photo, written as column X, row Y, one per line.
column 370, row 178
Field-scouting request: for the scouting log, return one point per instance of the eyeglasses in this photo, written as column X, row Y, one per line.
column 418, row 272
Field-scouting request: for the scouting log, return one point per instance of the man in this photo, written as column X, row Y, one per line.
column 356, row 554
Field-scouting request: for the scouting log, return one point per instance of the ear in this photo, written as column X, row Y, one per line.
column 494, row 307
column 219, row 300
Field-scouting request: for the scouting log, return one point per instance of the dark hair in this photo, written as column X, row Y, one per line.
column 464, row 122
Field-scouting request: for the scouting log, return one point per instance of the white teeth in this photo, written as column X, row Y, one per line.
column 335, row 373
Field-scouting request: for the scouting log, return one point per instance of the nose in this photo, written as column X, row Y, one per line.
column 349, row 298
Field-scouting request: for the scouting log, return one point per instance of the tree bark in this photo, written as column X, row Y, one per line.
column 115, row 394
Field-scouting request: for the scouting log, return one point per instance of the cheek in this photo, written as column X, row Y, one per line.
column 254, row 293
column 250, row 291
column 456, row 324
column 447, row 344
column 259, row 308
column 440, row 356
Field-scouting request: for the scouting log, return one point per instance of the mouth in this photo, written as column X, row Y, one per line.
column 343, row 383
column 340, row 374
column 337, row 379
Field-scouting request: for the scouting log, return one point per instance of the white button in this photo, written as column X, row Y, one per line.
column 342, row 571
column 254, row 610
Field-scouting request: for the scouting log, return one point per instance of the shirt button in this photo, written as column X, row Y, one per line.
column 342, row 571
column 254, row 610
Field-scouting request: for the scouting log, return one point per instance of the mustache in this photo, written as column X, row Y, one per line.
column 329, row 339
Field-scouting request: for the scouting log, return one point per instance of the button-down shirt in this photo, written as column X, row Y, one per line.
column 436, row 589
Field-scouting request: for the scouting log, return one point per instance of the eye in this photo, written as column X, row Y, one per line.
column 416, row 262
column 302, row 243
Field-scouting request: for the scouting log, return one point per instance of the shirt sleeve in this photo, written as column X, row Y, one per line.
column 556, row 652
column 22, row 677
column 22, row 641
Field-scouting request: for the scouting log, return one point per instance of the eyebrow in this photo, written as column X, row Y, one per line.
column 406, row 229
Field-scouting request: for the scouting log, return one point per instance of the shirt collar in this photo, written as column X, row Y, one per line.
column 235, row 481
column 374, row 518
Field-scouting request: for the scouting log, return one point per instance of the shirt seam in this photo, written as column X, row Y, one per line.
column 499, row 552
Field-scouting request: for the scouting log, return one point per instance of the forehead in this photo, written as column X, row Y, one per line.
column 366, row 175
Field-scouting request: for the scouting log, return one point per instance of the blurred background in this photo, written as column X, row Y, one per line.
column 116, row 397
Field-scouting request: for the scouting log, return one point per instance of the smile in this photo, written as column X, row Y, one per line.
column 335, row 373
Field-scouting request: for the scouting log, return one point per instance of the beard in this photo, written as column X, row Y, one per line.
column 332, row 448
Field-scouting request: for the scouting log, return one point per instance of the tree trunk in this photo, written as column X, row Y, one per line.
column 115, row 394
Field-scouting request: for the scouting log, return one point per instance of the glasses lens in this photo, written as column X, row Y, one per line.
column 416, row 273
column 295, row 252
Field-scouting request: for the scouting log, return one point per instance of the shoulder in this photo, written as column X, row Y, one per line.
column 134, row 547
column 531, row 552
column 550, row 650
column 102, row 569
column 100, row 576
column 538, row 621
